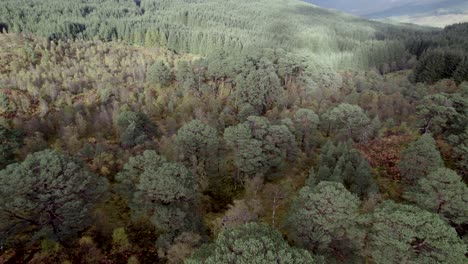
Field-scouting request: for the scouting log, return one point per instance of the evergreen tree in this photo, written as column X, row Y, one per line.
column 351, row 120
column 250, row 243
column 435, row 111
column 363, row 184
column 306, row 122
column 162, row 191
column 135, row 128
column 419, row 159
column 461, row 73
column 346, row 165
column 404, row 233
column 260, row 146
column 48, row 195
column 159, row 73
column 198, row 144
column 10, row 141
column 325, row 216
column 261, row 89
column 442, row 192
column 248, row 156
column 430, row 68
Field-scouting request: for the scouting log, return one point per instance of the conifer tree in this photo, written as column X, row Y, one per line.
column 250, row 243
column 48, row 195
column 10, row 141
column 405, row 233
column 162, row 191
column 461, row 73
column 442, row 192
column 198, row 144
column 306, row 122
column 419, row 159
column 159, row 73
column 324, row 215
column 351, row 120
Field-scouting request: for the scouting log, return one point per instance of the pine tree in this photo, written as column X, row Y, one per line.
column 419, row 159
column 162, row 191
column 306, row 122
column 250, row 243
column 404, row 233
column 198, row 144
column 442, row 192
column 10, row 140
column 324, row 215
column 461, row 73
column 159, row 73
column 47, row 195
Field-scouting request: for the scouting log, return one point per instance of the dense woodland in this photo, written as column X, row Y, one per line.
column 221, row 131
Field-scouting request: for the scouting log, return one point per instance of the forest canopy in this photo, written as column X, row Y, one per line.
column 222, row 131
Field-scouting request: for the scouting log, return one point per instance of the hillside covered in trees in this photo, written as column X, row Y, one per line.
column 222, row 131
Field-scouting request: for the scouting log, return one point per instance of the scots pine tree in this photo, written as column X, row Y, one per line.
column 47, row 195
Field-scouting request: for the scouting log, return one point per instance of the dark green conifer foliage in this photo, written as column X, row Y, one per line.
column 419, row 159
column 10, row 141
column 261, row 89
column 323, row 217
column 461, row 73
column 350, row 121
column 435, row 111
column 159, row 73
column 48, row 195
column 405, row 233
column 162, row 191
column 259, row 146
column 248, row 156
column 135, row 128
column 442, row 192
column 198, row 144
column 306, row 123
column 250, row 243
column 343, row 164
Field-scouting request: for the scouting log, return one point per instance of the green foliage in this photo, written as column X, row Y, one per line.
column 346, row 165
column 404, row 233
column 260, row 146
column 446, row 115
column 248, row 156
column 333, row 39
column 250, row 243
column 47, row 195
column 325, row 217
column 442, row 192
column 163, row 191
column 438, row 64
column 436, row 110
column 350, row 121
column 198, row 144
column 419, row 159
column 10, row 141
column 306, row 123
column 261, row 88
column 159, row 73
column 135, row 128
column 226, row 63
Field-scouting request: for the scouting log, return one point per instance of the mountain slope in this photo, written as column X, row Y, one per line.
column 204, row 26
column 438, row 13
column 422, row 7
